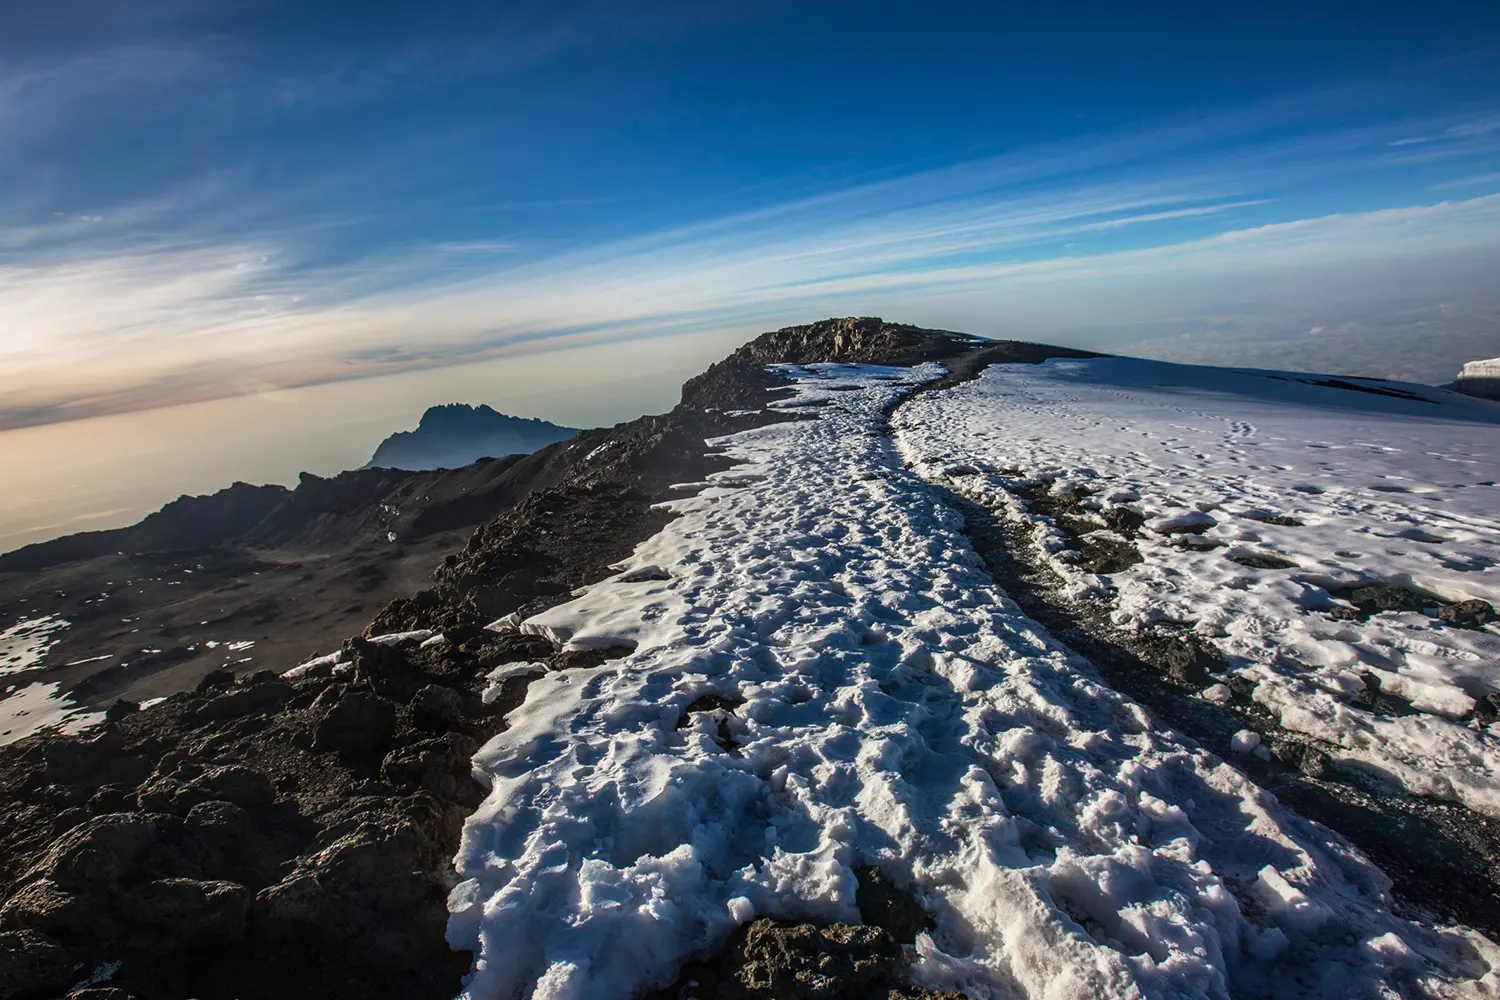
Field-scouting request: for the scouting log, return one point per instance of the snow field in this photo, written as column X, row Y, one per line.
column 1338, row 487
column 24, row 645
column 876, row 700
column 28, row 708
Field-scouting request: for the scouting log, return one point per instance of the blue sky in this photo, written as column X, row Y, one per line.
column 210, row 199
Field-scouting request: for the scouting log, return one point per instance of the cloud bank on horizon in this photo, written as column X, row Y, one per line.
column 196, row 205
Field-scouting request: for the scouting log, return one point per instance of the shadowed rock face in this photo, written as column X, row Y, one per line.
column 453, row 435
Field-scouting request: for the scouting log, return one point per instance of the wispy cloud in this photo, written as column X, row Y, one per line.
column 1473, row 180
column 210, row 291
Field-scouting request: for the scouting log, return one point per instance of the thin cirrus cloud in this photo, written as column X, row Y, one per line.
column 196, row 296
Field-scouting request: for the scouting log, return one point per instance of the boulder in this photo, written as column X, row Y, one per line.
column 44, row 906
column 32, row 965
column 71, row 761
column 215, row 679
column 435, row 707
column 216, row 831
column 439, row 766
column 252, row 699
column 885, row 905
column 159, row 794
column 104, row 849
column 297, row 907
column 233, row 783
column 1468, row 614
column 112, row 799
column 188, row 911
column 359, row 724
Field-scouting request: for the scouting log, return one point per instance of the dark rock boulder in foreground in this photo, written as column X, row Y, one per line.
column 219, row 845
column 452, row 436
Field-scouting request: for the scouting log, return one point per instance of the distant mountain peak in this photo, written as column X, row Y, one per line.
column 452, row 435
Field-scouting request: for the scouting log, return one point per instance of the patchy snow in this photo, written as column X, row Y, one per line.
column 24, row 645
column 30, row 708
column 897, row 710
column 1335, row 486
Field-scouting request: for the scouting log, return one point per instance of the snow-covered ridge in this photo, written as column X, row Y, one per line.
column 894, row 708
column 1259, row 495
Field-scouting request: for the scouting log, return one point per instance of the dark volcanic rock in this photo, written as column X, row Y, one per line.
column 439, row 766
column 358, row 724
column 32, row 965
column 771, row 960
column 187, row 912
column 435, row 707
column 105, row 849
column 885, row 905
column 44, row 906
column 802, row 962
column 1468, row 614
column 248, row 700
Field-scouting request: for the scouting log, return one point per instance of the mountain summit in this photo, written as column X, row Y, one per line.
column 455, row 434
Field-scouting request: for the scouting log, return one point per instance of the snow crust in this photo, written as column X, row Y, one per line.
column 898, row 710
column 24, row 645
column 30, row 708
column 26, row 708
column 1372, row 489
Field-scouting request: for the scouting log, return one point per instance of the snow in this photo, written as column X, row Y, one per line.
column 29, row 708
column 896, row 709
column 418, row 636
column 1244, row 741
column 309, row 668
column 39, row 705
column 1342, row 487
column 24, row 645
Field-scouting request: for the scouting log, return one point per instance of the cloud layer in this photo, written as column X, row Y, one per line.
column 1236, row 230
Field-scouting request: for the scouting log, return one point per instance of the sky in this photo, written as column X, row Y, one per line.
column 232, row 199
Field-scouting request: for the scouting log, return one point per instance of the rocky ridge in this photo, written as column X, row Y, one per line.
column 292, row 835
